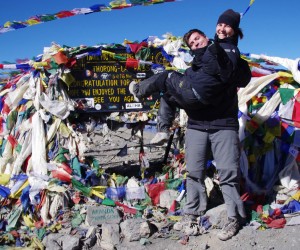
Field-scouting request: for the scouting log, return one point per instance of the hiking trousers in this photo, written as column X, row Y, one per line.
column 175, row 92
column 225, row 148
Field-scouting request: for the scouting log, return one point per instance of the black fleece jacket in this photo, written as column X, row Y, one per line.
column 214, row 80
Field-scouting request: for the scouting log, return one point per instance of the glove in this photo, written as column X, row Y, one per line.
column 215, row 48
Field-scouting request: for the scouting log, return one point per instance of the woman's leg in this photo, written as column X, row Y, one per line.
column 197, row 146
column 226, row 152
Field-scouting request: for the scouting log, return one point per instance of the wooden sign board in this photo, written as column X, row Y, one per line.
column 102, row 82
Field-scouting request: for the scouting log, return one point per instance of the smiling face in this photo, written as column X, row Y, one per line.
column 224, row 30
column 197, row 41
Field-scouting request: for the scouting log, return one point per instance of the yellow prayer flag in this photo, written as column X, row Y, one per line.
column 40, row 64
column 108, row 53
column 36, row 244
column 252, row 158
column 284, row 74
column 268, row 138
column 55, row 227
column 32, row 22
column 296, row 196
column 18, row 193
column 29, row 222
column 7, row 24
column 98, row 194
column 4, row 179
column 276, row 131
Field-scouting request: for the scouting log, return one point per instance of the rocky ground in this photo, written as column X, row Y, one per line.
column 247, row 239
column 106, row 148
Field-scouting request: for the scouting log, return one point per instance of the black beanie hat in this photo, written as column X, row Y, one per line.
column 230, row 17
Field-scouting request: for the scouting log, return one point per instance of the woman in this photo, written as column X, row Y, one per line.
column 215, row 129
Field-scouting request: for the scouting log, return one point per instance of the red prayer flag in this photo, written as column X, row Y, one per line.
column 132, row 63
column 296, row 110
column 60, row 58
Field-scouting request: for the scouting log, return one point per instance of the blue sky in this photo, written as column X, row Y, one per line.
column 270, row 27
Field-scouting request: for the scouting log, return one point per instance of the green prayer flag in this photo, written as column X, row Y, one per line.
column 173, row 183
column 78, row 185
column 286, row 95
column 77, row 220
column 76, row 167
column 108, row 202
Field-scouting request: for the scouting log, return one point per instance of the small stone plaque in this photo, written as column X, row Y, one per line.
column 97, row 215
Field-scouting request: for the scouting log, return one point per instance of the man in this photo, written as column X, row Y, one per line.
column 211, row 64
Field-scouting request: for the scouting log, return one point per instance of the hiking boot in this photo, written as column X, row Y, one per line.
column 160, row 138
column 133, row 89
column 230, row 229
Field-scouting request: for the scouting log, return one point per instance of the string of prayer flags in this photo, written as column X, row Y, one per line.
column 114, row 5
column 251, row 2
